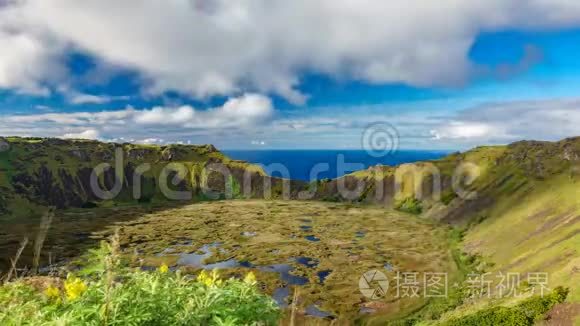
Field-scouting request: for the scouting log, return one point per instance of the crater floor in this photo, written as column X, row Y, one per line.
column 320, row 249
column 317, row 251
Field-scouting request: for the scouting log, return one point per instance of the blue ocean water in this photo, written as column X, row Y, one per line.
column 329, row 163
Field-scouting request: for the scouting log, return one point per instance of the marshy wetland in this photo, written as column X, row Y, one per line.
column 315, row 252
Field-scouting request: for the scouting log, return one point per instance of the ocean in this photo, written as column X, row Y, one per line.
column 300, row 164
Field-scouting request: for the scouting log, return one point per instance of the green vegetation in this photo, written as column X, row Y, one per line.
column 409, row 205
column 525, row 218
column 56, row 172
column 447, row 197
column 538, row 233
column 236, row 188
column 115, row 295
column 353, row 239
column 525, row 313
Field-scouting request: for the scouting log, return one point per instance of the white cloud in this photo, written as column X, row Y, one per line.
column 75, row 118
column 82, row 98
column 207, row 47
column 25, row 62
column 150, row 141
column 258, row 143
column 462, row 130
column 162, row 115
column 87, row 134
column 247, row 109
column 239, row 113
column 504, row 122
column 245, row 123
column 45, row 108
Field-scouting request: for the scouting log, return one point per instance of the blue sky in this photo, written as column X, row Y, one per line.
column 243, row 75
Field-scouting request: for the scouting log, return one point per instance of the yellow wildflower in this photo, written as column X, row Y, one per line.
column 52, row 293
column 250, row 278
column 204, row 278
column 74, row 288
column 163, row 268
column 209, row 280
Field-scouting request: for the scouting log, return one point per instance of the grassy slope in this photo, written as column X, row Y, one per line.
column 527, row 216
column 532, row 223
column 536, row 233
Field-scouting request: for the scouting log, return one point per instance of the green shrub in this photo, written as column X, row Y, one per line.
column 447, row 197
column 409, row 205
column 236, row 187
column 526, row 313
column 121, row 296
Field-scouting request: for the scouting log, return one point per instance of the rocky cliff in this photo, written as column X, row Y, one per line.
column 461, row 187
column 56, row 172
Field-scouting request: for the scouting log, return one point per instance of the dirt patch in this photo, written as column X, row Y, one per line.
column 565, row 238
column 563, row 314
column 538, row 216
column 41, row 283
column 549, row 225
column 561, row 259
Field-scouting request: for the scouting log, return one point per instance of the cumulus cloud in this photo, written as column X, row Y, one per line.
column 43, row 107
column 87, row 134
column 208, row 47
column 166, row 116
column 248, row 121
column 150, row 141
column 236, row 113
column 26, row 62
column 258, row 143
column 75, row 118
column 245, row 110
column 510, row 121
column 82, row 98
column 465, row 130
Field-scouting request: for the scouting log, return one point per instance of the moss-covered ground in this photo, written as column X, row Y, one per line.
column 340, row 241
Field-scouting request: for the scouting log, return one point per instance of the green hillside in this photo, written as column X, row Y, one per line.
column 56, row 172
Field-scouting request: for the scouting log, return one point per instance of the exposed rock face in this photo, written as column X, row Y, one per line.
column 571, row 152
column 210, row 148
column 58, row 173
column 168, row 154
column 138, row 153
column 61, row 190
column 56, row 141
column 80, row 154
column 4, row 145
